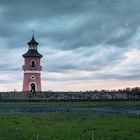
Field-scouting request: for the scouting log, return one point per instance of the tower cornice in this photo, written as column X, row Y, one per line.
column 30, row 71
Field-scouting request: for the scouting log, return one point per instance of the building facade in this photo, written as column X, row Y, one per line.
column 32, row 68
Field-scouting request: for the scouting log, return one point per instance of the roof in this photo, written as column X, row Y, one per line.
column 32, row 53
column 33, row 41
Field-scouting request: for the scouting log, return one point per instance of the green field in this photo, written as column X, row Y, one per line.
column 75, row 125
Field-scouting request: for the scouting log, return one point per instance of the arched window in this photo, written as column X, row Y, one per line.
column 33, row 63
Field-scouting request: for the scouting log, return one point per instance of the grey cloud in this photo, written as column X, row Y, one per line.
column 104, row 18
column 85, row 28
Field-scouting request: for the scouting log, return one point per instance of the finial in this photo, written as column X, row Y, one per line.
column 33, row 32
column 33, row 41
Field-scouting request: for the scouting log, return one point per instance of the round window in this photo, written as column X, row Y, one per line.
column 32, row 77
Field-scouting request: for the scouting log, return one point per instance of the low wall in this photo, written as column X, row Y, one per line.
column 68, row 96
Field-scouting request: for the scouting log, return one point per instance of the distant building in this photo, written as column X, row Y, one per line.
column 32, row 68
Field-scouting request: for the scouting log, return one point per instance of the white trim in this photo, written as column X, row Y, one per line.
column 30, row 86
column 32, row 71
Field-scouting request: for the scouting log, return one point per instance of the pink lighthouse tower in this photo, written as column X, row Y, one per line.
column 32, row 68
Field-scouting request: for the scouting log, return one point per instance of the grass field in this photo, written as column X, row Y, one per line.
column 75, row 125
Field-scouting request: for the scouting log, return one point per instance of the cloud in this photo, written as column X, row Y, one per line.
column 80, row 40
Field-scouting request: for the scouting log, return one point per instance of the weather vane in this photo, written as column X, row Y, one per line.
column 33, row 32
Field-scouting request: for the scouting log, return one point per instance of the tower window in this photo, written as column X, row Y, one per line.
column 33, row 63
column 32, row 77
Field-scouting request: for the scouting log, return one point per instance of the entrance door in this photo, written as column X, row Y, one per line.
column 33, row 87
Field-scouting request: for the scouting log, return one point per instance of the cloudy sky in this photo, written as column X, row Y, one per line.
column 86, row 44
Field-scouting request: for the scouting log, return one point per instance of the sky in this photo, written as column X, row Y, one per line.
column 86, row 44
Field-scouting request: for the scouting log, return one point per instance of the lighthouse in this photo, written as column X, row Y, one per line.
column 32, row 68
